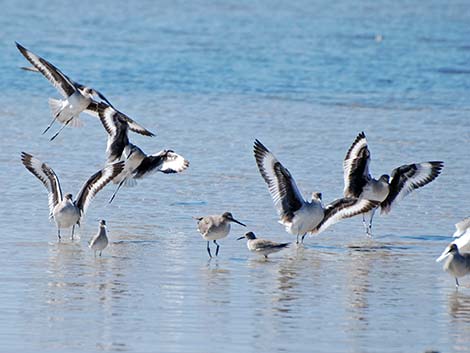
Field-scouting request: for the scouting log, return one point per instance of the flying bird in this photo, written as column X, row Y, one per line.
column 137, row 163
column 78, row 98
column 66, row 211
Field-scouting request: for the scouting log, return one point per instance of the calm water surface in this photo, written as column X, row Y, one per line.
column 209, row 77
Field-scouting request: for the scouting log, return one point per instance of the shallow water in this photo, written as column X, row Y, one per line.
column 209, row 78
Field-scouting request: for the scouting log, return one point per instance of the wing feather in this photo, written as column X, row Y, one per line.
column 409, row 177
column 47, row 176
column 342, row 209
column 95, row 183
column 60, row 81
column 356, row 167
column 282, row 187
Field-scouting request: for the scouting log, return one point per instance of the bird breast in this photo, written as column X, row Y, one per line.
column 375, row 191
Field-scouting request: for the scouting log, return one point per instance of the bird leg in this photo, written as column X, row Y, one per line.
column 73, row 230
column 456, row 283
column 209, row 250
column 63, row 127
column 370, row 222
column 100, row 253
column 302, row 239
column 216, row 250
column 58, row 233
column 119, row 186
column 50, row 124
column 364, row 223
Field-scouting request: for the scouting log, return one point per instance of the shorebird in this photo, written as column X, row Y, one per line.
column 298, row 215
column 457, row 264
column 215, row 227
column 262, row 246
column 100, row 241
column 462, row 233
column 137, row 163
column 65, row 211
column 78, row 98
column 387, row 190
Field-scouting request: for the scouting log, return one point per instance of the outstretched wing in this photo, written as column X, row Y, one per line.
column 94, row 109
column 284, row 192
column 165, row 161
column 61, row 82
column 462, row 227
column 47, row 176
column 95, row 183
column 342, row 209
column 407, row 178
column 356, row 167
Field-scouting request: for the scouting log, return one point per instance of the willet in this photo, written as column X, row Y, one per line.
column 66, row 211
column 462, row 242
column 386, row 190
column 100, row 241
column 262, row 246
column 78, row 98
column 298, row 215
column 137, row 163
column 458, row 265
column 215, row 227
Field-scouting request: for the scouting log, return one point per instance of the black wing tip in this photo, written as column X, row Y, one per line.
column 26, row 157
column 259, row 150
column 19, row 46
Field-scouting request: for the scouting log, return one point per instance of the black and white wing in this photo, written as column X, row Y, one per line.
column 95, row 183
column 47, row 176
column 284, row 192
column 462, row 227
column 166, row 161
column 135, row 127
column 95, row 107
column 116, row 129
column 407, row 178
column 61, row 82
column 343, row 208
column 356, row 167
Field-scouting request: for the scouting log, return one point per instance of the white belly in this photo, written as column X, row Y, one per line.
column 74, row 105
column 305, row 219
column 66, row 216
column 219, row 232
column 375, row 191
column 99, row 244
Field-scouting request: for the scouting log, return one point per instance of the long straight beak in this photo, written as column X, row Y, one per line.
column 241, row 238
column 443, row 256
column 240, row 223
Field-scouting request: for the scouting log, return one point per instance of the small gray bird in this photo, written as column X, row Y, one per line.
column 262, row 246
column 215, row 227
column 457, row 264
column 100, row 241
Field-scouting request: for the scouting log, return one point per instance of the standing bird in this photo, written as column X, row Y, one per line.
column 386, row 190
column 78, row 98
column 66, row 211
column 458, row 265
column 262, row 246
column 137, row 163
column 100, row 241
column 462, row 241
column 298, row 215
column 215, row 227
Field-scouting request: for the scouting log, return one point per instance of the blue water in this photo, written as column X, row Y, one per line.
column 209, row 78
